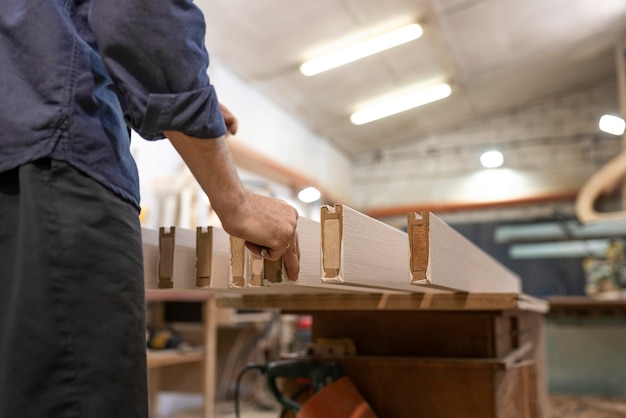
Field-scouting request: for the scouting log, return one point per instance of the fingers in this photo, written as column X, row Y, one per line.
column 290, row 253
column 231, row 122
column 291, row 259
column 268, row 227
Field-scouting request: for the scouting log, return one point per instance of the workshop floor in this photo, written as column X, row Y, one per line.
column 561, row 407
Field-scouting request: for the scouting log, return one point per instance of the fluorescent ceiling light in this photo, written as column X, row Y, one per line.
column 612, row 125
column 400, row 104
column 309, row 195
column 559, row 231
column 561, row 249
column 361, row 50
column 492, row 159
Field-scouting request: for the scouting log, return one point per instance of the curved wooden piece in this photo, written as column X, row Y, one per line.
column 602, row 180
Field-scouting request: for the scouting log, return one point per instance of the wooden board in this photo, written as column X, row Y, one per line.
column 303, row 303
column 359, row 250
column 150, row 239
column 179, row 258
column 212, row 257
column 252, row 271
column 443, row 258
column 250, row 274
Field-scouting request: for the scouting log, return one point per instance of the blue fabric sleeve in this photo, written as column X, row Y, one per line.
column 154, row 51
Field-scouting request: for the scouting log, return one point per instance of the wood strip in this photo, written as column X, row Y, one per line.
column 419, row 245
column 361, row 251
column 166, row 257
column 273, row 271
column 310, row 242
column 384, row 301
column 150, row 240
column 443, row 258
column 217, row 250
column 204, row 256
column 210, row 314
column 331, row 219
column 237, row 262
column 255, row 270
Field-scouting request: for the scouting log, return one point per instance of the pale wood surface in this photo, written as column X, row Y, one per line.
column 366, row 251
column 442, row 257
column 217, row 255
column 160, row 358
column 209, row 317
column 387, row 301
column 167, row 238
column 237, row 263
column 309, row 237
column 150, row 239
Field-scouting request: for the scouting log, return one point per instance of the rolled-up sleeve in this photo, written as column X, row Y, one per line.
column 154, row 51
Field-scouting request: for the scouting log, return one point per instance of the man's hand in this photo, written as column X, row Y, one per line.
column 267, row 225
column 232, row 124
column 269, row 230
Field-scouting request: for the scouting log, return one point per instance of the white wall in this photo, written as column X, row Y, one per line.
column 550, row 146
column 263, row 127
column 275, row 134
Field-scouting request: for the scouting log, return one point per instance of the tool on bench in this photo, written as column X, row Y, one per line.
column 334, row 395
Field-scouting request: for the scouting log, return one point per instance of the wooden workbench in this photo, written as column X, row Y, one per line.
column 436, row 355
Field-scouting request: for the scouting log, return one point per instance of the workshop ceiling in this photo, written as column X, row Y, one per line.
column 496, row 54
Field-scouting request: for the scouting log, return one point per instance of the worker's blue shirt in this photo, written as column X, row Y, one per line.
column 76, row 74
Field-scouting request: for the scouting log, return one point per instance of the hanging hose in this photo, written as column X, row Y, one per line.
column 262, row 368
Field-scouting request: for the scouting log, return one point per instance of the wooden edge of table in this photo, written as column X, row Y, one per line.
column 178, row 295
column 383, row 301
column 586, row 306
column 160, row 358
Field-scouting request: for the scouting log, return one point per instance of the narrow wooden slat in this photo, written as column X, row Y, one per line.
column 361, row 251
column 386, row 301
column 443, row 258
column 150, row 240
column 166, row 257
column 204, row 256
column 237, row 262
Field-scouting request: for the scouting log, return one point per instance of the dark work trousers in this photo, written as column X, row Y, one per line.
column 72, row 310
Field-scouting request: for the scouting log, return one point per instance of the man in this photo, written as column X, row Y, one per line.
column 75, row 74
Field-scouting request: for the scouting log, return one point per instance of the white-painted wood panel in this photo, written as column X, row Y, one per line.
column 358, row 250
column 443, row 258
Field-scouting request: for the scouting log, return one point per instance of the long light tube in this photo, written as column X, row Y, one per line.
column 361, row 49
column 400, row 104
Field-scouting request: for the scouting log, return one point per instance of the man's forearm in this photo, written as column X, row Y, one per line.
column 267, row 225
column 211, row 164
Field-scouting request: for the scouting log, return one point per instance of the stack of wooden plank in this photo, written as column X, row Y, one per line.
column 346, row 251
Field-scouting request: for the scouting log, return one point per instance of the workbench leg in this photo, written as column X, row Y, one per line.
column 154, row 376
column 539, row 357
column 210, row 355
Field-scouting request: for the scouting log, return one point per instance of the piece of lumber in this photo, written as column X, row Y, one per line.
column 443, row 258
column 212, row 257
column 359, row 250
column 179, row 258
column 309, row 236
column 150, row 240
column 252, row 274
column 398, row 301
